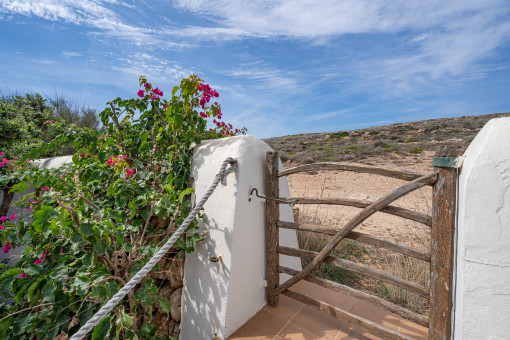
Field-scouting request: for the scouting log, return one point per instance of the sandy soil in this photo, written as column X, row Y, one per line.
column 344, row 184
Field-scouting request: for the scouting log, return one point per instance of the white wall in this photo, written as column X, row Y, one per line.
column 220, row 297
column 482, row 302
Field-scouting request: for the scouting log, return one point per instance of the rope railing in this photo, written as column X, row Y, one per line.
column 107, row 308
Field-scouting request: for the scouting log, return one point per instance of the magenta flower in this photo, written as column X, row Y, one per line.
column 7, row 248
column 141, row 94
column 33, row 201
column 147, row 85
column 129, row 172
column 23, row 275
column 156, row 148
column 46, row 189
column 3, row 218
column 29, row 208
column 2, row 227
column 83, row 154
column 13, row 217
column 2, row 154
column 203, row 115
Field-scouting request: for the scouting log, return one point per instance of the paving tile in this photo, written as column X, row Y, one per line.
column 373, row 313
column 294, row 332
column 286, row 309
column 305, row 287
column 317, row 322
column 414, row 330
column 342, row 301
column 263, row 326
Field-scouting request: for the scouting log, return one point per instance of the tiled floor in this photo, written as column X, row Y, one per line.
column 293, row 320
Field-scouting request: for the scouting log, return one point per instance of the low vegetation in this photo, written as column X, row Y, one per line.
column 386, row 141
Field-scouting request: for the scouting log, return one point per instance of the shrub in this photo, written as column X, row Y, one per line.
column 98, row 219
column 340, row 134
column 416, row 151
column 411, row 140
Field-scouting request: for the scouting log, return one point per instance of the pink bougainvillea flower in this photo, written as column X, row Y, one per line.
column 83, row 154
column 61, row 251
column 141, row 94
column 123, row 156
column 129, row 172
column 7, row 248
column 23, row 275
column 13, row 217
column 147, row 85
column 156, row 148
column 29, row 208
column 33, row 201
column 1, row 227
column 202, row 114
column 37, row 261
column 46, row 189
column 2, row 154
column 3, row 218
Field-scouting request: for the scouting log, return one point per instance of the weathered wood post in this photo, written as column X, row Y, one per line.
column 444, row 202
column 272, row 217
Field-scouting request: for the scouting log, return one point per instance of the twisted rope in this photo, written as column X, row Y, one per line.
column 101, row 314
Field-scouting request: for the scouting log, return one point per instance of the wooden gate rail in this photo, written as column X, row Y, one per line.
column 360, row 269
column 346, row 290
column 360, row 237
column 361, row 168
column 354, row 222
column 390, row 209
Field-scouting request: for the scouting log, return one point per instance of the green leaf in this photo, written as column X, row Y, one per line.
column 86, row 229
column 168, row 188
column 4, row 327
column 165, row 305
column 185, row 192
column 10, row 272
column 42, row 218
column 47, row 293
column 127, row 320
column 33, row 269
column 31, row 290
column 102, row 330
column 174, row 90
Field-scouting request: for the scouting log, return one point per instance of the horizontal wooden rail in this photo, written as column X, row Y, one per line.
column 360, row 269
column 371, row 240
column 347, row 317
column 340, row 288
column 354, row 222
column 390, row 209
column 362, row 168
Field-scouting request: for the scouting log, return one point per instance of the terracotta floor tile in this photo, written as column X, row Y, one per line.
column 317, row 322
column 294, row 332
column 414, row 330
column 305, row 287
column 263, row 326
column 373, row 313
column 286, row 309
column 339, row 300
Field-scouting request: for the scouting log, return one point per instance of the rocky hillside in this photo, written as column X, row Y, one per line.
column 404, row 139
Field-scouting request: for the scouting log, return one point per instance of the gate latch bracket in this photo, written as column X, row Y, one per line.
column 289, row 202
column 448, row 162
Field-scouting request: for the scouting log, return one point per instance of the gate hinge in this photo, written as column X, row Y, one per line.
column 448, row 162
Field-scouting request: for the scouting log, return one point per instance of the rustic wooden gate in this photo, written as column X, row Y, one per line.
column 442, row 223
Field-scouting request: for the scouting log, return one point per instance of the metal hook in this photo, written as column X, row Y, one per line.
column 289, row 202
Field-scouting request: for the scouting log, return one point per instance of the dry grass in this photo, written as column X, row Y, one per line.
column 399, row 265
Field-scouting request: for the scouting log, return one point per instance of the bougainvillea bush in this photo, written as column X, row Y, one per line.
column 97, row 220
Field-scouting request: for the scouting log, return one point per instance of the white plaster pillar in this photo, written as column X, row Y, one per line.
column 482, row 298
column 219, row 297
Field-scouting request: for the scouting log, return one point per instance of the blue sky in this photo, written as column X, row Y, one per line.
column 281, row 67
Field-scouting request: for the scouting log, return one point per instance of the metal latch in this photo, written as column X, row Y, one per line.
column 289, row 202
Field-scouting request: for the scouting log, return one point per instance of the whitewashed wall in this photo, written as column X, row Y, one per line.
column 482, row 299
column 220, row 297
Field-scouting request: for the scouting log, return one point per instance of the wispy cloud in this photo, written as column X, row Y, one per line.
column 68, row 54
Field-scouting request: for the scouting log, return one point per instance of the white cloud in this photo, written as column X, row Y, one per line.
column 68, row 54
